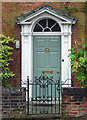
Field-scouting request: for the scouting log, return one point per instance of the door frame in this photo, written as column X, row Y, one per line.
column 27, row 49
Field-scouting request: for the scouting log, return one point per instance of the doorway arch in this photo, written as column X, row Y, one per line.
column 27, row 25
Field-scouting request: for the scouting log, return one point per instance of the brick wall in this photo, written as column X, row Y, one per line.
column 11, row 10
column 74, row 101
column 15, row 65
column 13, row 101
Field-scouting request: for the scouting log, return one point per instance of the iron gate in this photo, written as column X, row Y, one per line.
column 43, row 95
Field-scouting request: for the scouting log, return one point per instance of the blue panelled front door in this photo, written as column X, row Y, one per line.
column 47, row 56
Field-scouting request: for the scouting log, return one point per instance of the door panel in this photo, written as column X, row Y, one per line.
column 40, row 60
column 53, row 62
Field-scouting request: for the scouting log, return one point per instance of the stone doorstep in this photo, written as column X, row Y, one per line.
column 35, row 117
column 47, row 117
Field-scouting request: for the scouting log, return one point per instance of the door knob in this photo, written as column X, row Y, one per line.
column 57, row 71
column 47, row 49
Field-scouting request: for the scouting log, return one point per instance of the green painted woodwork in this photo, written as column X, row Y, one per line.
column 47, row 56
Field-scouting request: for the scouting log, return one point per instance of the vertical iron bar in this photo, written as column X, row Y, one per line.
column 36, row 98
column 59, row 95
column 59, row 101
column 32, row 97
column 27, row 94
column 48, row 95
column 39, row 96
column 29, row 98
column 51, row 98
column 55, row 97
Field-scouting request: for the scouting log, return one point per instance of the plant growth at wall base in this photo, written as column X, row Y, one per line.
column 5, row 58
column 78, row 57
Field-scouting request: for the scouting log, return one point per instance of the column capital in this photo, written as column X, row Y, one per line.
column 25, row 33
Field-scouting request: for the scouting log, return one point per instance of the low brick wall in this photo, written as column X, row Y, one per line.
column 13, row 101
column 74, row 101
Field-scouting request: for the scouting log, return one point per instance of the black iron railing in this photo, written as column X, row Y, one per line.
column 43, row 95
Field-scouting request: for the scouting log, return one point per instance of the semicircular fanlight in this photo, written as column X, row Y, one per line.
column 47, row 25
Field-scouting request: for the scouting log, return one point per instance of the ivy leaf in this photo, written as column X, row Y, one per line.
column 79, row 63
column 5, row 55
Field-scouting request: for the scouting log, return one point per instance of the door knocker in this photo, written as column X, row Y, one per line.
column 47, row 49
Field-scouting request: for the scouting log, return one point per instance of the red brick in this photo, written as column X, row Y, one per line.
column 74, row 106
column 83, row 109
column 76, row 110
column 73, row 113
column 83, row 103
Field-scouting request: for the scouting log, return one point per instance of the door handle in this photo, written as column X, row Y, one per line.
column 47, row 49
column 57, row 71
column 48, row 72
